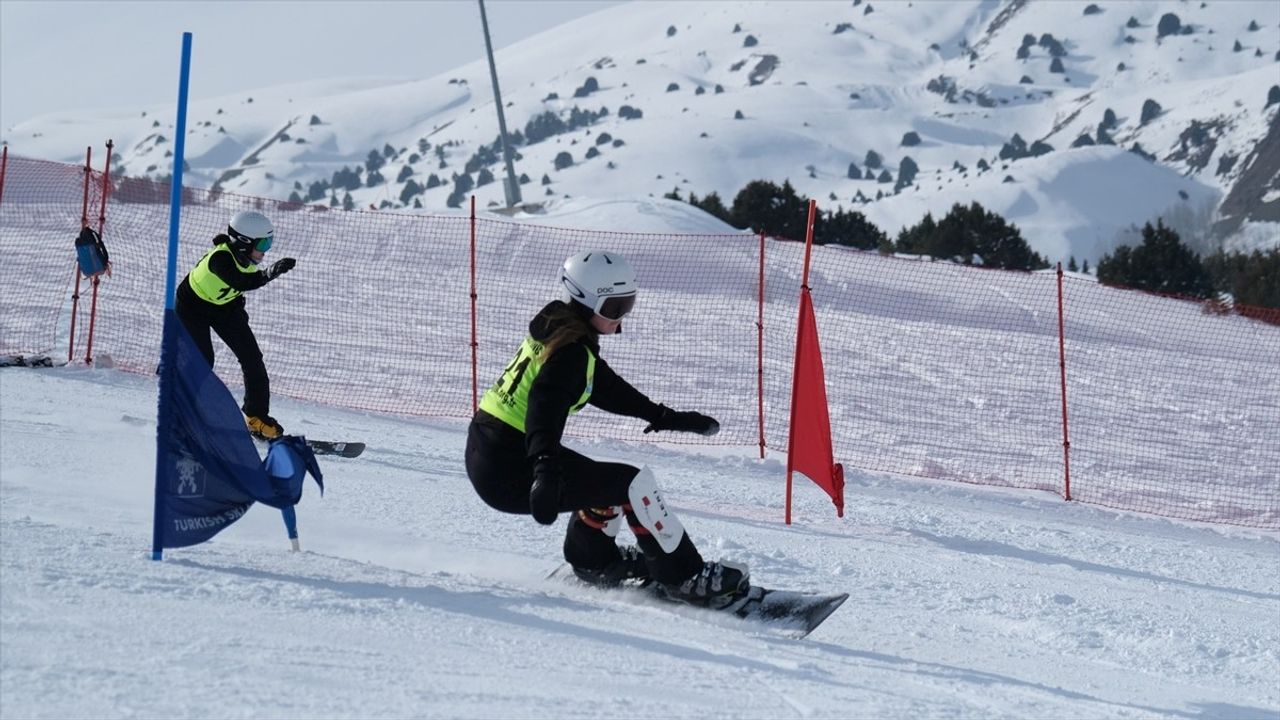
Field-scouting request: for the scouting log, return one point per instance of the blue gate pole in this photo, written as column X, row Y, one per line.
column 167, row 346
column 291, row 526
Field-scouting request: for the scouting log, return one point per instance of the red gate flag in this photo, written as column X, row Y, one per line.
column 809, row 445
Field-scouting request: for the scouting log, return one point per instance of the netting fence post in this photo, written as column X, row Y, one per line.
column 760, row 350
column 102, row 221
column 84, row 222
column 1062, row 366
column 475, row 344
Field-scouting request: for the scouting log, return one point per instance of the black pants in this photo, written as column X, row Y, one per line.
column 231, row 322
column 502, row 475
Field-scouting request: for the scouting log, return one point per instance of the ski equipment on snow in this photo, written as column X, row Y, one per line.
column 793, row 613
column 341, row 449
column 329, row 447
column 26, row 361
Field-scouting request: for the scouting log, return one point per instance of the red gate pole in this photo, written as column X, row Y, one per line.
column 795, row 376
column 84, row 223
column 102, row 221
column 1062, row 365
column 106, row 187
column 4, row 165
column 475, row 344
column 760, row 350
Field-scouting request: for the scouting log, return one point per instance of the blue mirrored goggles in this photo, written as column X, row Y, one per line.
column 260, row 244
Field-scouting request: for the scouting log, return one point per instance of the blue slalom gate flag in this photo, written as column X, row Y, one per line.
column 208, row 471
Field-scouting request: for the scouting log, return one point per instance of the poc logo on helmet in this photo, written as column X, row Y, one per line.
column 604, row 291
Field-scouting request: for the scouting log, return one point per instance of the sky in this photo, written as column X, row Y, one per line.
column 127, row 53
column 411, row 598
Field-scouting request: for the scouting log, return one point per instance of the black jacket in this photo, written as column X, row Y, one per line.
column 561, row 382
column 224, row 265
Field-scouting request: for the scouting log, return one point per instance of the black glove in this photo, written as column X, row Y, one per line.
column 544, row 496
column 684, row 422
column 280, row 267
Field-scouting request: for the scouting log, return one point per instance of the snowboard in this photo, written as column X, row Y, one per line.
column 341, row 449
column 327, row 447
column 27, row 361
column 795, row 614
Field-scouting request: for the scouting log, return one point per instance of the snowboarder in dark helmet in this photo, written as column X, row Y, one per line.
column 517, row 464
column 211, row 297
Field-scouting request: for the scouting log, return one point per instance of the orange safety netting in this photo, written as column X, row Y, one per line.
column 933, row 369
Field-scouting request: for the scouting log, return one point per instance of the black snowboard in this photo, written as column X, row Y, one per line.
column 341, row 449
column 796, row 614
column 328, row 447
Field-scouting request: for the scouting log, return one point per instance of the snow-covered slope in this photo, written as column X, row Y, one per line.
column 799, row 91
column 413, row 599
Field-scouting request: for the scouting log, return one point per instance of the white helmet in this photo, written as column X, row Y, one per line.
column 600, row 280
column 250, row 230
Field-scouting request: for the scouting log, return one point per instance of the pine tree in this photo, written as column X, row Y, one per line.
column 713, row 205
column 1161, row 263
column 912, row 240
column 411, row 189
column 848, row 228
column 1259, row 282
column 778, row 211
column 969, row 233
column 1252, row 279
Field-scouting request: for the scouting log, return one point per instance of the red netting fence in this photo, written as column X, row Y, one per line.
column 933, row 369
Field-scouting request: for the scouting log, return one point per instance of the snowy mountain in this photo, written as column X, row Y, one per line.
column 1074, row 120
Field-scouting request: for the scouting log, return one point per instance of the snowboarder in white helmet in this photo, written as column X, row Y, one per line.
column 517, row 464
column 603, row 282
column 211, row 298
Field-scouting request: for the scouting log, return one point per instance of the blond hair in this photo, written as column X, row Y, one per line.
column 567, row 327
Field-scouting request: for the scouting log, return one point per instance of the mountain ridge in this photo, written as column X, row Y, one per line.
column 719, row 95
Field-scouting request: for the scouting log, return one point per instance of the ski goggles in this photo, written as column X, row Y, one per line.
column 614, row 307
column 260, row 244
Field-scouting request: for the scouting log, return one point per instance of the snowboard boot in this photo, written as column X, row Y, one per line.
column 264, row 427
column 717, row 585
column 630, row 565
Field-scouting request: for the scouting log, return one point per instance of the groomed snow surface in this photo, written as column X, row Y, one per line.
column 413, row 599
